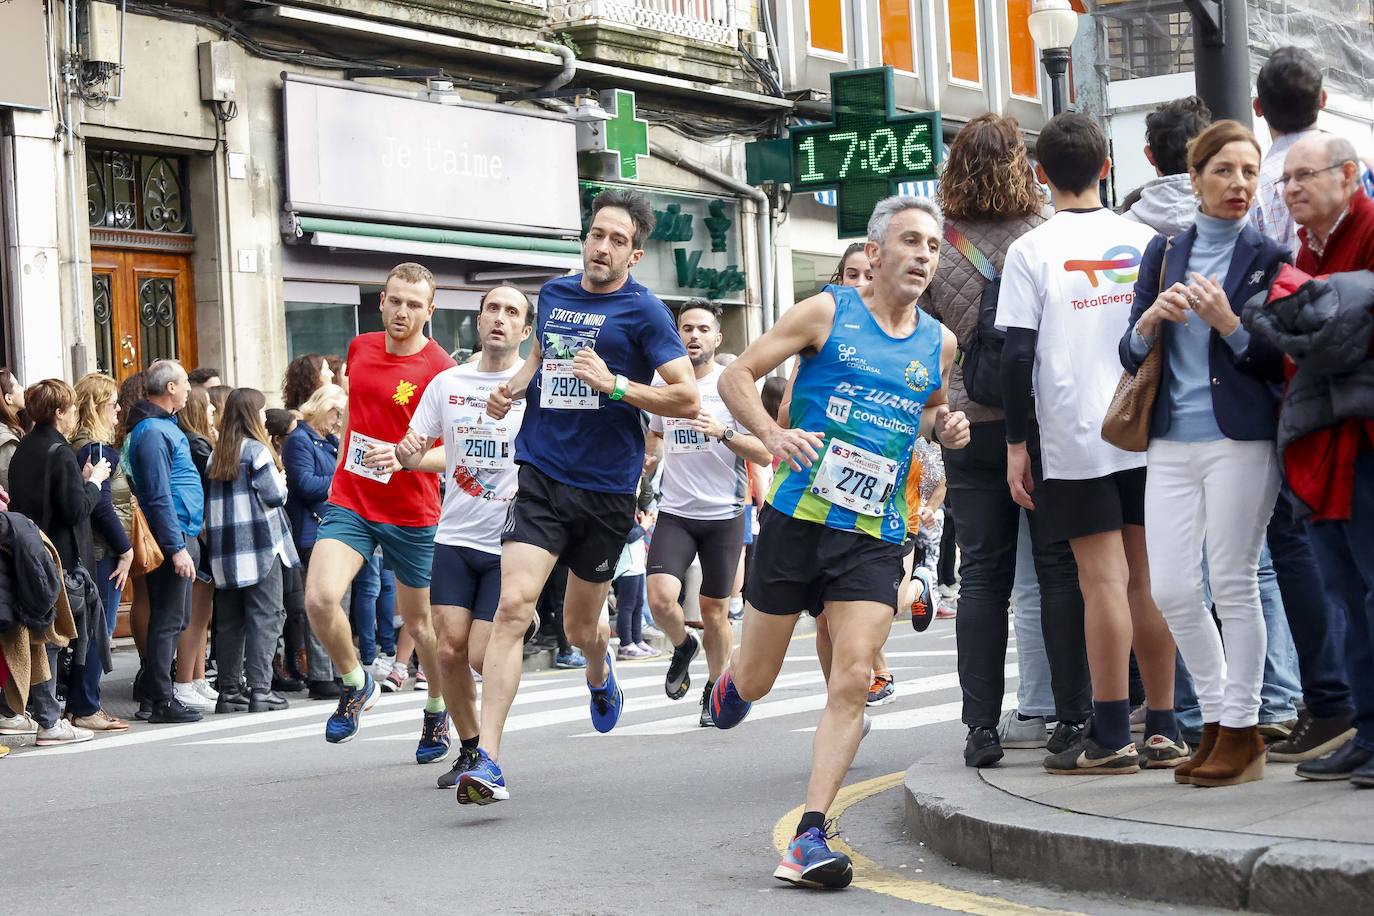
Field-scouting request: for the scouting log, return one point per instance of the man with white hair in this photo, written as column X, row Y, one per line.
column 872, row 379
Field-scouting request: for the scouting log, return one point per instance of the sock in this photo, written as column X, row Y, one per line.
column 355, row 678
column 469, row 743
column 1161, row 722
column 435, row 704
column 1112, row 723
column 685, row 646
column 811, row 819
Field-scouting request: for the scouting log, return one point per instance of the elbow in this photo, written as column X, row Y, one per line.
column 689, row 405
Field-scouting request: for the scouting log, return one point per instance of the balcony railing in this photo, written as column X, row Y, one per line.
column 703, row 20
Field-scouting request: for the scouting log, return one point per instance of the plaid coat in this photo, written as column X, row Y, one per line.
column 246, row 527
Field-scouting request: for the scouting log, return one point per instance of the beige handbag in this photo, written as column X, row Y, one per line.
column 1127, row 423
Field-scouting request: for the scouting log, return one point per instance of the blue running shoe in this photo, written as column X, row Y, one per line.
column 483, row 784
column 434, row 739
column 570, row 660
column 810, row 862
column 353, row 702
column 728, row 708
column 607, row 700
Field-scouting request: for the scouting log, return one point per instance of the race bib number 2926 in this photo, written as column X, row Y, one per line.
column 559, row 389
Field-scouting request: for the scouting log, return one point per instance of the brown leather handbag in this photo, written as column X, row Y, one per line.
column 147, row 554
column 1127, row 423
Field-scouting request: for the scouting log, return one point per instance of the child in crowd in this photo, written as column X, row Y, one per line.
column 630, row 594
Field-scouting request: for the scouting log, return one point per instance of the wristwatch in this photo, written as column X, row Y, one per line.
column 728, row 434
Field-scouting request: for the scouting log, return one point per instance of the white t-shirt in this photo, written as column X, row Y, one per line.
column 479, row 454
column 1072, row 279
column 702, row 478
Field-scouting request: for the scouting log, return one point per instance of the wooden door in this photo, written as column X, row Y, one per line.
column 144, row 305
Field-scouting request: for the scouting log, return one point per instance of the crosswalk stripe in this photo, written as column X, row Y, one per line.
column 900, row 720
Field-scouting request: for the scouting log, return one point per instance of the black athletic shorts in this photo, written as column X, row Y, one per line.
column 799, row 566
column 586, row 529
column 467, row 578
column 677, row 540
column 1079, row 508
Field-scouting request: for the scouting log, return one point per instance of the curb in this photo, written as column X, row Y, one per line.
column 981, row 827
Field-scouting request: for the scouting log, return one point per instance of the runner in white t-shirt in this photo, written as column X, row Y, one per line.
column 1065, row 301
column 480, row 481
column 701, row 509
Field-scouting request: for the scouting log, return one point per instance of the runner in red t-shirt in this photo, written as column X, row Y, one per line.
column 375, row 502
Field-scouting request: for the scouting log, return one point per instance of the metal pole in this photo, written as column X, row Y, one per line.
column 1056, row 62
column 1221, row 55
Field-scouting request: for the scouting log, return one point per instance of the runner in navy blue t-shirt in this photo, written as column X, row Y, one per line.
column 600, row 338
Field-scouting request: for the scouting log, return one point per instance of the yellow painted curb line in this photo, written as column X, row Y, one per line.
column 871, row 876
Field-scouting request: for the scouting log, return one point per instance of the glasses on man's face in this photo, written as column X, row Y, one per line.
column 1303, row 176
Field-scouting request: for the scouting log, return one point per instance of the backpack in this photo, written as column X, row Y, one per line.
column 980, row 359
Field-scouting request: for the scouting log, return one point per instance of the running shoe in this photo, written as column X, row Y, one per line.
column 728, row 708
column 1138, row 720
column 607, row 701
column 1065, row 736
column 467, row 759
column 810, row 862
column 648, row 650
column 946, row 612
column 1088, row 758
column 421, row 682
column 923, row 604
column 704, row 720
column 1014, row 731
column 573, row 659
column 630, row 653
column 381, row 667
column 434, row 739
column 396, row 680
column 881, row 691
column 1163, row 753
column 483, row 783
column 868, row 726
column 353, row 702
column 679, row 680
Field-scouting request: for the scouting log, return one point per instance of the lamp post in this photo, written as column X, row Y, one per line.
column 1053, row 24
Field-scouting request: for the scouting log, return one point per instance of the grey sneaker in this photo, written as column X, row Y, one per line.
column 1138, row 720
column 63, row 732
column 21, row 724
column 1088, row 758
column 1013, row 731
column 1163, row 753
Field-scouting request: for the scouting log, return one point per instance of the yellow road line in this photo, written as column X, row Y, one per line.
column 871, row 876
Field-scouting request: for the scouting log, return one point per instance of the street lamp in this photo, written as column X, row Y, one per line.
column 1053, row 24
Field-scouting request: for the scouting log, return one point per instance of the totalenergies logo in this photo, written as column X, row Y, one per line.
column 1119, row 265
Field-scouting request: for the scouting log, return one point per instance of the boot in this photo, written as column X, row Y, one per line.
column 1238, row 757
column 263, row 700
column 232, row 698
column 302, row 670
column 282, row 680
column 1183, row 772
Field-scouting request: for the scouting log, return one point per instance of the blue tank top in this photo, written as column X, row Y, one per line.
column 865, row 392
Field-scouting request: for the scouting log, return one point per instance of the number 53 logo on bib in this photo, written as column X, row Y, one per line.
column 855, row 478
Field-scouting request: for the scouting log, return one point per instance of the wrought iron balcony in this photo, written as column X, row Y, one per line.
column 711, row 21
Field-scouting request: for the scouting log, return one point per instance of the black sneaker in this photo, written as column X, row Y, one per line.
column 982, row 749
column 172, row 711
column 1312, row 738
column 1088, row 758
column 1339, row 764
column 1066, row 735
column 466, row 760
column 145, row 710
column 705, row 720
column 679, row 680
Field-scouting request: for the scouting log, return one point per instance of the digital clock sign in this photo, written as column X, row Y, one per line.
column 866, row 150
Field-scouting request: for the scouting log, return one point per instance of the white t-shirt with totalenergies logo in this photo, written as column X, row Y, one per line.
column 1072, row 279
column 479, row 454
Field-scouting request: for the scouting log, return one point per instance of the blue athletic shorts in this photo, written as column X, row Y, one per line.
column 466, row 578
column 407, row 552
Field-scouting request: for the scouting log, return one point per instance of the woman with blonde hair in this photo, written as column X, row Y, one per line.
column 191, row 687
column 97, row 421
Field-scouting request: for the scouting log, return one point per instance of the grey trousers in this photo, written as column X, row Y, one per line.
column 43, row 705
column 248, row 623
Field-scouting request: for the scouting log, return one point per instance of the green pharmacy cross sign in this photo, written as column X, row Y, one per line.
column 866, row 150
column 627, row 137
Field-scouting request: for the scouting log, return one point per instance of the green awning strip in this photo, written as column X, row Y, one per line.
column 444, row 236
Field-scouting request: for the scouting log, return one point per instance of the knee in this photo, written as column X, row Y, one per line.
column 849, row 683
column 453, row 654
column 581, row 633
column 1176, row 595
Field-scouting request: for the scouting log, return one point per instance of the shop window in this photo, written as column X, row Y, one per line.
column 1025, row 65
column 825, row 20
column 898, row 28
column 320, row 327
column 965, row 64
column 131, row 190
column 456, row 331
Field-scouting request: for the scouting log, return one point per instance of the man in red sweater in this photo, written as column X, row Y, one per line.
column 1322, row 189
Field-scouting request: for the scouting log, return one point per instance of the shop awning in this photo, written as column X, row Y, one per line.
column 424, row 241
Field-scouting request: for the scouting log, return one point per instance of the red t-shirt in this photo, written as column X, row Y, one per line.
column 383, row 392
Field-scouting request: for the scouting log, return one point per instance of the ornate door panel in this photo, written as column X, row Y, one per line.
column 144, row 310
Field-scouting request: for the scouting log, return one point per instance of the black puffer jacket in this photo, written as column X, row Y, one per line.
column 28, row 576
column 1326, row 326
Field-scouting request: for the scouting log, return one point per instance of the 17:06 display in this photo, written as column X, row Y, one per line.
column 879, row 153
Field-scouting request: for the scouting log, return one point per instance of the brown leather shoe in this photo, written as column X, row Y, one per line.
column 1183, row 773
column 1238, row 757
column 99, row 721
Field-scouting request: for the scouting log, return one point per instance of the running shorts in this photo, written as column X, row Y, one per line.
column 408, row 552
column 586, row 529
column 718, row 543
column 467, row 578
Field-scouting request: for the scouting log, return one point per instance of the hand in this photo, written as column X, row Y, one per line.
column 499, row 401
column 952, row 429
column 589, row 367
column 1172, row 305
column 1208, row 301
column 926, row 516
column 410, row 448
column 182, row 564
column 121, row 570
column 650, row 464
column 706, row 424
column 798, row 447
column 382, row 458
column 1019, row 475
column 4, row 500
column 97, row 473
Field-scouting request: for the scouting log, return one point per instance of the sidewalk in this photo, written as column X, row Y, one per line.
column 1280, row 845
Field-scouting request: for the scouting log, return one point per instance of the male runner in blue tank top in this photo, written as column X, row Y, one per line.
column 830, row 538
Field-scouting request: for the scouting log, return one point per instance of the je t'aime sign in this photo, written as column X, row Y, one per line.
column 389, row 158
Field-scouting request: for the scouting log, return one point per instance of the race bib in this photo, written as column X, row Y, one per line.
column 483, row 447
column 358, row 444
column 561, row 390
column 682, row 438
column 854, row 478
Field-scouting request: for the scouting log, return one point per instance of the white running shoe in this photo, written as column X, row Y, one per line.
column 868, row 726
column 381, row 667
column 188, row 696
column 21, row 724
column 202, row 687
column 63, row 732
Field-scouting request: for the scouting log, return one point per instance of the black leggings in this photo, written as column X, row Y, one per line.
column 551, row 607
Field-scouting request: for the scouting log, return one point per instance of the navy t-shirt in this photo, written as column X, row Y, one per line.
column 599, row 449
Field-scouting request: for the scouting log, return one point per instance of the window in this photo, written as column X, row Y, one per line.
column 1025, row 66
column 826, row 25
column 964, row 59
column 132, row 190
column 897, row 28
column 1149, row 44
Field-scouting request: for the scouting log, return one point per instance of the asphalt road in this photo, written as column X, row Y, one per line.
column 257, row 814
